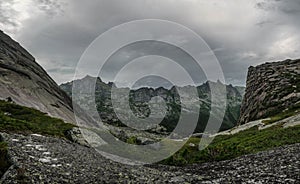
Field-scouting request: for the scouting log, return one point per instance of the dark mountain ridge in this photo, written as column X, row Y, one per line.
column 140, row 97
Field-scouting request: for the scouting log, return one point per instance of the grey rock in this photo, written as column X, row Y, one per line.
column 67, row 162
column 279, row 165
column 25, row 82
column 271, row 88
column 76, row 136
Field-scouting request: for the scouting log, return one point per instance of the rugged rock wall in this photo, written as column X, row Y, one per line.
column 271, row 89
column 27, row 84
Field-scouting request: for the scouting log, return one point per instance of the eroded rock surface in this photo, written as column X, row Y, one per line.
column 271, row 89
column 25, row 82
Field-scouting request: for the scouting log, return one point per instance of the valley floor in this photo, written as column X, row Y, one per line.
column 40, row 159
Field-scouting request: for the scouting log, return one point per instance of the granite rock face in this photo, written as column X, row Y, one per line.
column 271, row 89
column 25, row 82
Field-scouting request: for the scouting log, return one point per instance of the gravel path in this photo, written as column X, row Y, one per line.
column 40, row 159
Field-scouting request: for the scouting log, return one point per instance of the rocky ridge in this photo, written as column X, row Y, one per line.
column 271, row 89
column 26, row 83
column 140, row 98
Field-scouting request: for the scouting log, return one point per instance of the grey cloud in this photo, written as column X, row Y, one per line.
column 51, row 7
column 241, row 33
column 6, row 15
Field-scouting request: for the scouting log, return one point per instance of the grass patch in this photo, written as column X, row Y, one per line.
column 132, row 140
column 18, row 119
column 281, row 116
column 4, row 163
column 232, row 146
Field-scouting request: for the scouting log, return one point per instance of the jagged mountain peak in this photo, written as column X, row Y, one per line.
column 141, row 96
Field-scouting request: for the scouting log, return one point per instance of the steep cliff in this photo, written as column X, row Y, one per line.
column 272, row 88
column 26, row 83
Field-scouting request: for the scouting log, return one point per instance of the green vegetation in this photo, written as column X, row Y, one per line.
column 18, row 119
column 140, row 106
column 132, row 140
column 231, row 146
column 282, row 115
column 4, row 163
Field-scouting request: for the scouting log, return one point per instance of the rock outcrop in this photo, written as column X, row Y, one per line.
column 271, row 88
column 26, row 83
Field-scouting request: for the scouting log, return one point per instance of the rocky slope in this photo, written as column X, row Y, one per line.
column 272, row 88
column 139, row 99
column 25, row 82
column 39, row 159
column 280, row 165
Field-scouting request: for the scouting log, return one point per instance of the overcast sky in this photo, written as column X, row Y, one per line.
column 241, row 33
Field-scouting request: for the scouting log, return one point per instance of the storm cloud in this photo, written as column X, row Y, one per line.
column 241, row 33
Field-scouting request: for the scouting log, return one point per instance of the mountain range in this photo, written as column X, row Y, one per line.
column 139, row 102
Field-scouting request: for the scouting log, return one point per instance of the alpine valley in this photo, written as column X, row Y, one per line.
column 40, row 141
